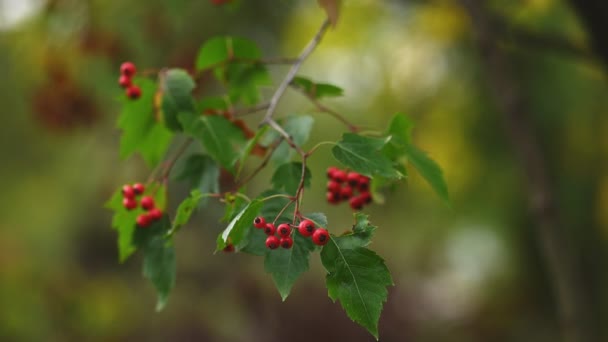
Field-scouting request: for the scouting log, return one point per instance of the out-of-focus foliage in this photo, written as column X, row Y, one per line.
column 469, row 273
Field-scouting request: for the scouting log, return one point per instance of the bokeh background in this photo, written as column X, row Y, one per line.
column 472, row 272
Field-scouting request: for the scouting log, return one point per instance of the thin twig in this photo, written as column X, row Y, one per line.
column 322, row 108
column 251, row 110
column 262, row 165
column 171, row 163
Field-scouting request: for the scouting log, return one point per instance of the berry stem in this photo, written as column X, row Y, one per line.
column 324, row 109
column 322, row 143
column 171, row 163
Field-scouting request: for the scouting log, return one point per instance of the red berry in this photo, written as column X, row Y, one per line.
column 286, row 242
column 128, row 191
column 124, row 81
column 229, row 248
column 331, row 171
column 339, row 176
column 270, row 229
column 353, row 178
column 139, row 188
column 129, row 203
column 333, row 197
column 259, row 222
column 320, row 237
column 357, row 202
column 306, row 227
column 284, row 230
column 155, row 214
column 366, row 197
column 128, row 69
column 363, row 183
column 333, row 186
column 143, row 220
column 133, row 92
column 272, row 242
column 346, row 192
column 147, row 202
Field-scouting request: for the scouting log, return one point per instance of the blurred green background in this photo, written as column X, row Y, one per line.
column 470, row 273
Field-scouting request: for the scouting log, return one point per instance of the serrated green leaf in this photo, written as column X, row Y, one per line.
column 429, row 170
column 256, row 243
column 201, row 172
column 140, row 131
column 244, row 82
column 358, row 278
column 361, row 234
column 220, row 49
column 288, row 175
column 319, row 219
column 299, row 128
column 400, row 131
column 317, row 90
column 273, row 206
column 185, row 209
column 219, row 137
column 362, row 154
column 239, row 226
column 286, row 265
column 246, row 152
column 177, row 86
column 215, row 103
column 160, row 268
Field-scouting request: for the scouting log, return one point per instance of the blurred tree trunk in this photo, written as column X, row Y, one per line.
column 560, row 258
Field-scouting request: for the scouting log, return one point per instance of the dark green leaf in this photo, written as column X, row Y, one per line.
column 286, row 265
column 201, row 172
column 287, row 176
column 429, row 169
column 160, row 268
column 186, row 208
column 317, row 90
column 221, row 49
column 400, row 131
column 299, row 128
column 319, row 219
column 244, row 82
column 362, row 154
column 238, row 228
column 361, row 234
column 251, row 143
column 215, row 103
column 177, row 99
column 256, row 243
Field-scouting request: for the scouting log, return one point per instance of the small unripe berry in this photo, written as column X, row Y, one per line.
column 339, row 176
column 330, row 171
column 320, row 237
column 128, row 69
column 363, row 183
column 128, row 191
column 353, row 178
column 133, row 92
column 147, row 202
column 284, row 230
column 306, row 227
column 346, row 192
column 143, row 220
column 333, row 197
column 333, row 186
column 139, row 188
column 129, row 203
column 272, row 242
column 270, row 229
column 259, row 222
column 124, row 81
column 356, row 203
column 155, row 214
column 286, row 242
column 229, row 248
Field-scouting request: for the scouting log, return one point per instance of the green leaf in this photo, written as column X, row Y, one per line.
column 246, row 152
column 286, row 265
column 400, row 131
column 319, row 219
column 201, row 172
column 244, row 82
column 255, row 244
column 219, row 137
column 317, row 90
column 185, row 209
column 177, row 86
column 160, row 268
column 287, row 176
column 299, row 128
column 220, row 49
column 140, row 130
column 239, row 226
column 357, row 276
column 429, row 170
column 216, row 103
column 362, row 154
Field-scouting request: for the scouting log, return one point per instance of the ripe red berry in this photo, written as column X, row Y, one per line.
column 284, row 230
column 357, row 202
column 346, row 192
column 143, row 220
column 128, row 191
column 259, row 222
column 129, row 203
column 155, row 214
column 363, row 183
column 333, row 197
column 339, row 176
column 366, row 197
column 270, row 229
column 330, row 171
column 133, row 92
column 147, row 202
column 229, row 248
column 272, row 242
column 333, row 186
column 306, row 227
column 353, row 178
column 128, row 69
column 320, row 237
column 139, row 188
column 286, row 242
column 124, row 81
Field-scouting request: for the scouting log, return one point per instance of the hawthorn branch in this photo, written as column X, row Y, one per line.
column 322, row 108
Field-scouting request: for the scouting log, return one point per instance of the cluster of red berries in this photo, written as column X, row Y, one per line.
column 127, row 71
column 342, row 186
column 307, row 228
column 129, row 201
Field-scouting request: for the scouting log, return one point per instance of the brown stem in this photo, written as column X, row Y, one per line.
column 171, row 163
column 262, row 165
column 322, row 108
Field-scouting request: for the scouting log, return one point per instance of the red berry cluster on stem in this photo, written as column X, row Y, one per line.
column 129, row 201
column 273, row 241
column 127, row 71
column 343, row 185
